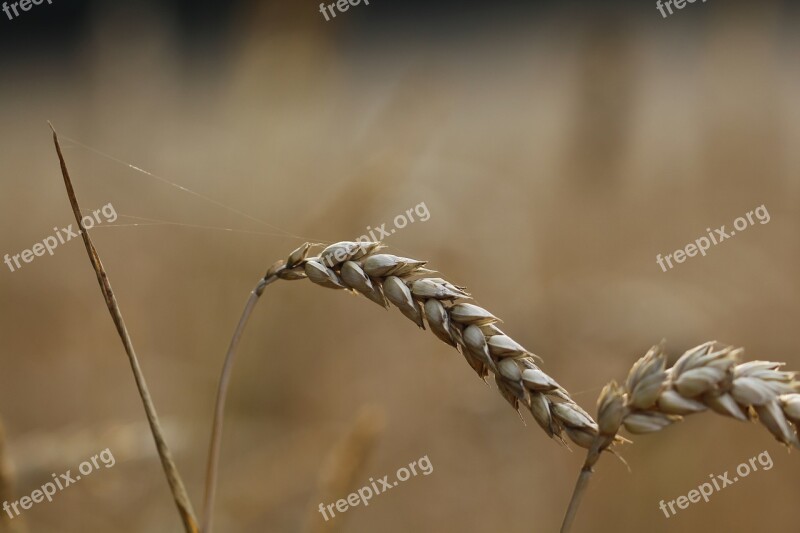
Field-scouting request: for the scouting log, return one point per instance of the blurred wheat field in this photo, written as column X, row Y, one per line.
column 558, row 152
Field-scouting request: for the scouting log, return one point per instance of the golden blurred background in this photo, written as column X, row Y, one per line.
column 559, row 149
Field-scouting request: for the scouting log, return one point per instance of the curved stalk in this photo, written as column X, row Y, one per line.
column 219, row 408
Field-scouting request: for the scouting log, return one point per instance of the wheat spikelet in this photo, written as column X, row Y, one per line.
column 406, row 284
column 708, row 376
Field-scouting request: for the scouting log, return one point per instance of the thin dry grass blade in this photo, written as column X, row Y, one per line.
column 170, row 469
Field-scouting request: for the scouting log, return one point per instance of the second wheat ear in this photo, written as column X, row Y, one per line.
column 710, row 376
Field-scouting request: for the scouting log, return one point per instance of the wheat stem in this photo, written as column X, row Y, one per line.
column 170, row 469
column 219, row 407
column 581, row 484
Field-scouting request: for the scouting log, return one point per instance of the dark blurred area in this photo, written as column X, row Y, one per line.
column 559, row 146
column 204, row 28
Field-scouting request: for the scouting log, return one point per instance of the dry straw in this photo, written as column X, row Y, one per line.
column 171, row 472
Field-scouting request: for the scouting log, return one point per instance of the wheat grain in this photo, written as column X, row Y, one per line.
column 406, row 284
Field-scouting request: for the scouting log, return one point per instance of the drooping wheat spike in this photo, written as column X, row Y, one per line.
column 709, row 376
column 406, row 284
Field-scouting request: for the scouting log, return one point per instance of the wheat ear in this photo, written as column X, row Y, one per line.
column 406, row 284
column 708, row 376
column 421, row 297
